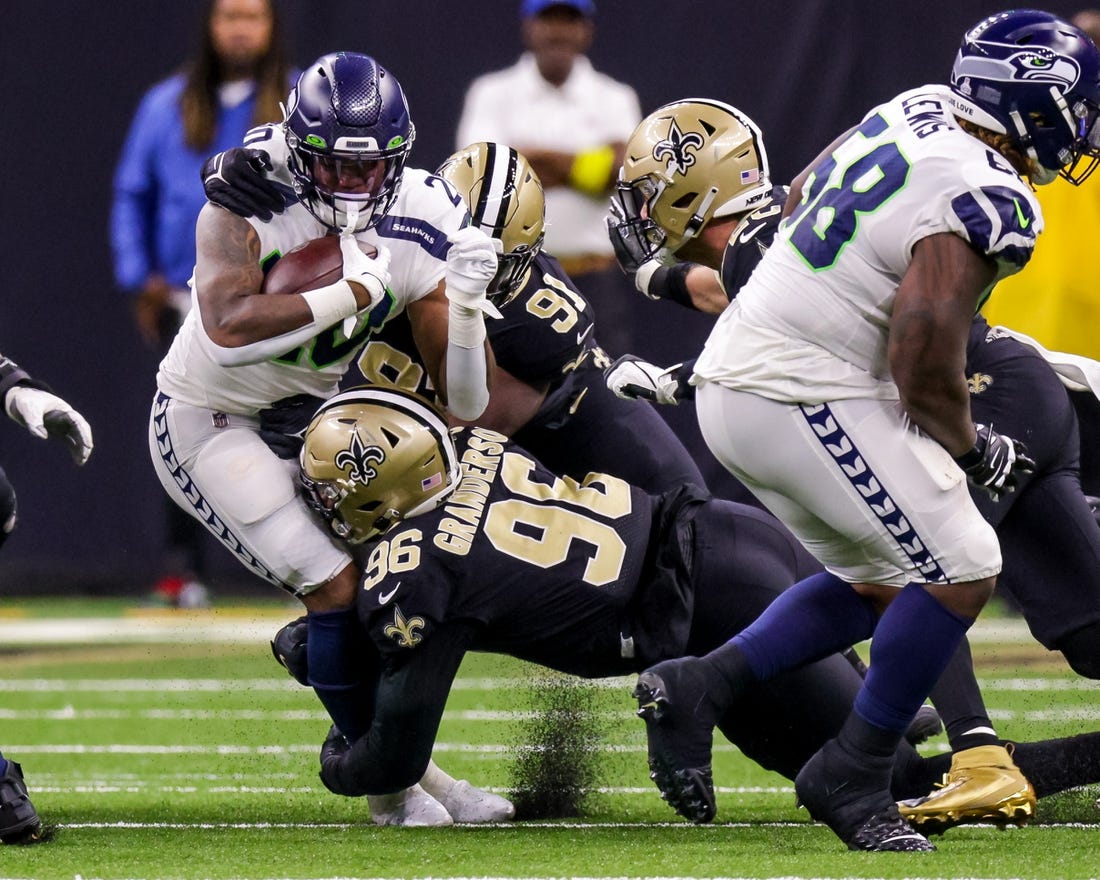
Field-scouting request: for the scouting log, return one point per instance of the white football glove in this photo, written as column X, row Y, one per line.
column 471, row 265
column 372, row 272
column 630, row 378
column 47, row 415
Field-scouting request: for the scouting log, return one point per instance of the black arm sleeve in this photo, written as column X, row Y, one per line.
column 670, row 282
column 412, row 694
column 11, row 374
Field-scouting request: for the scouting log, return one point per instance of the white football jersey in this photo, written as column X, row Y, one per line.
column 416, row 231
column 812, row 322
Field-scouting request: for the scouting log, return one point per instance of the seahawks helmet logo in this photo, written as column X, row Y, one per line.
column 676, row 148
column 1043, row 65
column 1036, row 64
column 357, row 458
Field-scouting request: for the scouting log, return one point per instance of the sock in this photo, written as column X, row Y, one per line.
column 816, row 617
column 338, row 667
column 960, row 704
column 858, row 736
column 436, row 781
column 3, row 765
column 1053, row 765
column 913, row 643
column 916, row 775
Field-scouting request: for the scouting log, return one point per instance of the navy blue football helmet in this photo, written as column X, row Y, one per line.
column 1037, row 79
column 348, row 131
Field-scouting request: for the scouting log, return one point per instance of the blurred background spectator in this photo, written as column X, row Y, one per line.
column 805, row 72
column 237, row 79
column 571, row 122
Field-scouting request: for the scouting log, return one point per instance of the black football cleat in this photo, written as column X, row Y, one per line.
column 674, row 701
column 289, row 649
column 19, row 822
column 889, row 832
column 851, row 795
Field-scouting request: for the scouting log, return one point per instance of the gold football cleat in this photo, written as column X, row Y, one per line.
column 983, row 785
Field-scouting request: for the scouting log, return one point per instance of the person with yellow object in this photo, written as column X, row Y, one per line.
column 571, row 122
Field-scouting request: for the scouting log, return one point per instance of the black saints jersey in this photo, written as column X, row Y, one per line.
column 541, row 338
column 545, row 568
column 751, row 240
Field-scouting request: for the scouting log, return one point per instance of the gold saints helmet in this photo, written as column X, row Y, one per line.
column 374, row 456
column 505, row 199
column 686, row 163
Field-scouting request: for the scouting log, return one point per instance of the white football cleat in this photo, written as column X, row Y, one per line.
column 411, row 808
column 469, row 805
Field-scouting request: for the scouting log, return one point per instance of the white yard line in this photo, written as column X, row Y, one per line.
column 210, row 626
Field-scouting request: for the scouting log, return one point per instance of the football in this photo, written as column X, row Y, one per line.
column 314, row 264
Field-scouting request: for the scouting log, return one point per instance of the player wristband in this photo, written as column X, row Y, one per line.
column 331, row 303
column 970, row 458
column 671, row 283
column 591, row 170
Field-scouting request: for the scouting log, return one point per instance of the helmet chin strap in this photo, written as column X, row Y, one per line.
column 1037, row 173
column 698, row 219
column 353, row 220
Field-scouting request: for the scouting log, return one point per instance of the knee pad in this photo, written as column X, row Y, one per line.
column 7, row 507
column 1082, row 650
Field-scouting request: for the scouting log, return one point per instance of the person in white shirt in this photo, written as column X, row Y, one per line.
column 571, row 122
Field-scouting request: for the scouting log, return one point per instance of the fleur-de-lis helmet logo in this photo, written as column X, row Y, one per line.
column 357, row 458
column 677, row 148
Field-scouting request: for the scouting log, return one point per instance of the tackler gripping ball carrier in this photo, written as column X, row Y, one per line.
column 506, row 202
column 374, row 456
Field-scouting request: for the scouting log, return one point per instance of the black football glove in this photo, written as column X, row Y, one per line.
column 290, row 647
column 333, row 749
column 996, row 462
column 235, row 180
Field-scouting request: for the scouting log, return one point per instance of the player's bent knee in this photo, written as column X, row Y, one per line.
column 339, row 592
column 242, row 478
column 1082, row 650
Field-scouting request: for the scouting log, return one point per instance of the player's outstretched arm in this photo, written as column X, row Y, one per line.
column 45, row 415
column 471, row 265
